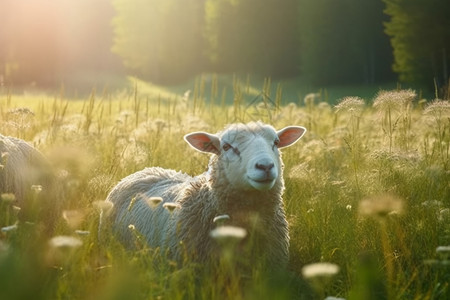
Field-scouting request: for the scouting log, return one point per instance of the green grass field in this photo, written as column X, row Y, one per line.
column 367, row 190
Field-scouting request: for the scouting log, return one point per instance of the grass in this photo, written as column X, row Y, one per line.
column 367, row 190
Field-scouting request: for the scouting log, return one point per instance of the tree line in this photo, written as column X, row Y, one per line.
column 168, row 41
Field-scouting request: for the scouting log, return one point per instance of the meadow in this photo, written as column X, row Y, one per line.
column 367, row 193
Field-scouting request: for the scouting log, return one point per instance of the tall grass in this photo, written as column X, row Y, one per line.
column 367, row 190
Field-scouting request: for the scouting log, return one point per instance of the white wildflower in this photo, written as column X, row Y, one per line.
column 319, row 270
column 64, row 241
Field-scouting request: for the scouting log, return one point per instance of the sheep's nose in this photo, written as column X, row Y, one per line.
column 264, row 167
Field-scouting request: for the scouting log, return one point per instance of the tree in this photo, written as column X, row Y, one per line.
column 254, row 36
column 420, row 37
column 160, row 40
column 343, row 41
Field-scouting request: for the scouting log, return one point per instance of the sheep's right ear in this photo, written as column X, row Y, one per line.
column 203, row 142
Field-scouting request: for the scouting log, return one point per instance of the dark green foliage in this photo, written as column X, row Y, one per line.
column 420, row 37
column 253, row 36
column 343, row 42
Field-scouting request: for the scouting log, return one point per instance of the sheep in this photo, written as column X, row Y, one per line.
column 27, row 174
column 244, row 181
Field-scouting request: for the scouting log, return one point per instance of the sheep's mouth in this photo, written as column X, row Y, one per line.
column 264, row 181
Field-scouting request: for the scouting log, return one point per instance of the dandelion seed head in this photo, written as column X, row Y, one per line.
column 320, row 270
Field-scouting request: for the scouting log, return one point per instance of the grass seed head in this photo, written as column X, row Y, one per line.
column 394, row 100
column 352, row 105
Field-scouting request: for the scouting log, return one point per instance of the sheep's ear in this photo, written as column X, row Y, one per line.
column 203, row 142
column 290, row 135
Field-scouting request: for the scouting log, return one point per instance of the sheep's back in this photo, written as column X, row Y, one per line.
column 130, row 199
column 22, row 167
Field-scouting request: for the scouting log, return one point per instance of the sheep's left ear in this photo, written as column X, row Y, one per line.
column 203, row 142
column 290, row 135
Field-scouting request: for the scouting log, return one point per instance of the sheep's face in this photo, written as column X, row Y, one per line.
column 248, row 154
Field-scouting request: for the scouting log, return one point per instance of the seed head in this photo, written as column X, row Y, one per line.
column 8, row 198
column 353, row 105
column 170, row 206
column 228, row 234
column 64, row 241
column 394, row 100
column 153, row 202
column 317, row 270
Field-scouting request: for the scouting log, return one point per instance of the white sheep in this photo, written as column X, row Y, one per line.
column 244, row 181
column 27, row 174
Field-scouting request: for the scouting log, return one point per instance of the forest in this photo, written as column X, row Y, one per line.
column 325, row 42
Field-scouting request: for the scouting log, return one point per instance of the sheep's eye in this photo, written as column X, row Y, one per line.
column 276, row 143
column 226, row 147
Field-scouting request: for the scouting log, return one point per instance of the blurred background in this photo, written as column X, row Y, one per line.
column 48, row 43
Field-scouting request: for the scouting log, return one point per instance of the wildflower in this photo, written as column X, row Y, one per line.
column 432, row 203
column 228, row 234
column 353, row 105
column 64, row 241
column 132, row 227
column 316, row 270
column 220, row 220
column 36, row 188
column 170, row 206
column 20, row 111
column 10, row 228
column 394, row 100
column 348, row 207
column 311, row 98
column 444, row 215
column 153, row 202
column 82, row 232
column 73, row 218
column 103, row 205
column 380, row 206
column 8, row 198
column 438, row 108
column 443, row 252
